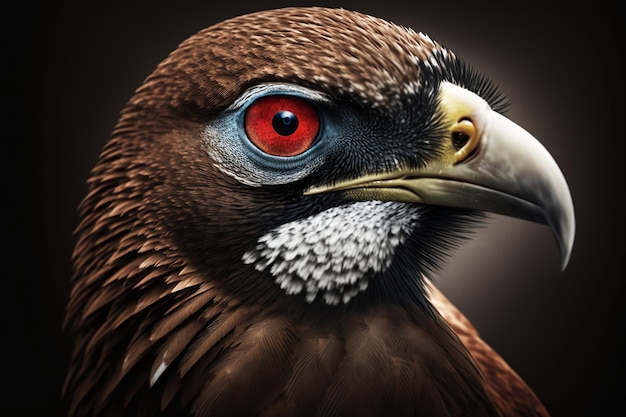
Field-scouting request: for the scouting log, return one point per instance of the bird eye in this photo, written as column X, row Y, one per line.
column 282, row 125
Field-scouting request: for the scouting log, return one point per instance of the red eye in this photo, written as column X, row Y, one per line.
column 282, row 125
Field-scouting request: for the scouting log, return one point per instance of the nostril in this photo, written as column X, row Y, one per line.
column 459, row 140
column 464, row 137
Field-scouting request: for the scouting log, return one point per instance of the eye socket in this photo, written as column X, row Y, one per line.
column 282, row 125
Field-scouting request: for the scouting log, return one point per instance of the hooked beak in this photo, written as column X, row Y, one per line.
column 489, row 164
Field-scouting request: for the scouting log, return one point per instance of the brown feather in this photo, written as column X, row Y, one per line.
column 223, row 325
column 253, row 373
column 387, row 343
column 185, row 308
column 316, row 359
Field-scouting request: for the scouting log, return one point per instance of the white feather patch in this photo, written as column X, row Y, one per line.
column 334, row 253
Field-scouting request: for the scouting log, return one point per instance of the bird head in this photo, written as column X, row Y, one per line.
column 276, row 172
column 315, row 155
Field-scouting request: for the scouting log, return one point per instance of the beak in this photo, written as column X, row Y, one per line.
column 488, row 163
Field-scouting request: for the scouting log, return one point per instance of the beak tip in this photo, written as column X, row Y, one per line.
column 565, row 237
column 565, row 256
column 566, row 252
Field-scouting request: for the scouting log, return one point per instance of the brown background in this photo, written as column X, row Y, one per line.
column 69, row 67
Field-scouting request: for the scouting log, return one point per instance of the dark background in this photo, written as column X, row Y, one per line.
column 69, row 67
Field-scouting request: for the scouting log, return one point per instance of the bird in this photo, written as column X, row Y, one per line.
column 261, row 232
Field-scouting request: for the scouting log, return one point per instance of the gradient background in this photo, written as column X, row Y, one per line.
column 69, row 67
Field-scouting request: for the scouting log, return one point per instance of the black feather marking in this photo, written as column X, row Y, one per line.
column 466, row 76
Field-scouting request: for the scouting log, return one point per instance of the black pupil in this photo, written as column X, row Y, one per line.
column 285, row 123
